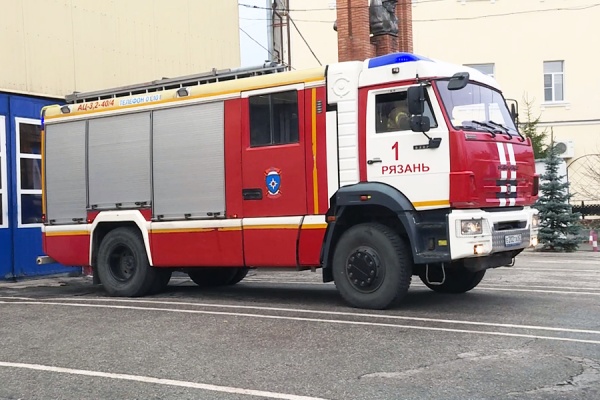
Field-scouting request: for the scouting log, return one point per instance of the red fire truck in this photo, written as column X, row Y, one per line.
column 373, row 171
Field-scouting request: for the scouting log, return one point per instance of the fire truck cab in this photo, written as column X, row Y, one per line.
column 373, row 171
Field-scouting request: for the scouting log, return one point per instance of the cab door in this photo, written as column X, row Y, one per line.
column 399, row 157
column 273, row 174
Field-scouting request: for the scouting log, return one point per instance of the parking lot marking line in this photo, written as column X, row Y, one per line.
column 484, row 287
column 422, row 285
column 339, row 313
column 303, row 319
column 16, row 298
column 587, row 262
column 521, row 287
column 557, row 270
column 159, row 381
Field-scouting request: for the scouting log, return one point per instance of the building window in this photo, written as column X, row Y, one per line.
column 487, row 69
column 392, row 112
column 274, row 118
column 29, row 171
column 3, row 188
column 554, row 81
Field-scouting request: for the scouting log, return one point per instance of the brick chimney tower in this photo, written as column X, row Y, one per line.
column 355, row 41
column 405, row 27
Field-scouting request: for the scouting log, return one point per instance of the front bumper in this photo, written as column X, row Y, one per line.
column 507, row 231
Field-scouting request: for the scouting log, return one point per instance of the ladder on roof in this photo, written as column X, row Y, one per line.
column 175, row 83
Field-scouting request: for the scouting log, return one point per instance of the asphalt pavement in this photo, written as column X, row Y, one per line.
column 527, row 332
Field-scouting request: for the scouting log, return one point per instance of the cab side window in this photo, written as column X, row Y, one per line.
column 392, row 112
column 274, row 118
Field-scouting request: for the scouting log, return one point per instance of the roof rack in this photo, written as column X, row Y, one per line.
column 174, row 83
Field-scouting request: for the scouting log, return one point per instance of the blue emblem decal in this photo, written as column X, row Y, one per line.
column 273, row 181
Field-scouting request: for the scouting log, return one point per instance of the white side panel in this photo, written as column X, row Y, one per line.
column 158, row 227
column 314, row 222
column 342, row 89
column 249, row 223
column 3, row 181
column 119, row 160
column 331, row 141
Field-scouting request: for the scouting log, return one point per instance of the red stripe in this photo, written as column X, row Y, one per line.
column 233, row 157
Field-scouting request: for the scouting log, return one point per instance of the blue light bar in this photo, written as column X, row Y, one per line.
column 395, row 58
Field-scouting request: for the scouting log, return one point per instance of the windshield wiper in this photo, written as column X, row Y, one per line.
column 507, row 130
column 489, row 128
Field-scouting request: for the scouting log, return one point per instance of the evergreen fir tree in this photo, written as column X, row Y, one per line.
column 558, row 223
column 529, row 128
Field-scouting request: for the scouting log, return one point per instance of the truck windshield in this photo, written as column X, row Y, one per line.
column 477, row 107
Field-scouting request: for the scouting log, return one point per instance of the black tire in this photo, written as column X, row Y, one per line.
column 239, row 275
column 372, row 266
column 163, row 276
column 212, row 277
column 458, row 280
column 123, row 266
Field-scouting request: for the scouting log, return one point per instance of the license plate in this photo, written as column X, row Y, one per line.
column 512, row 240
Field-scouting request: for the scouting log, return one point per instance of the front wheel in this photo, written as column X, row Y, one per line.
column 372, row 266
column 458, row 280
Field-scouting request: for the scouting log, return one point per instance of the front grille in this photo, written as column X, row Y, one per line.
column 498, row 242
column 509, row 225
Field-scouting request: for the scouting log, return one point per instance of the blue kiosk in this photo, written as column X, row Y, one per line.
column 21, row 187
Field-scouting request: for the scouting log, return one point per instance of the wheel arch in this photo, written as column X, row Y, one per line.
column 107, row 221
column 366, row 202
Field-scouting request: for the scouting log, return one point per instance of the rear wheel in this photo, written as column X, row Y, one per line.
column 213, row 277
column 239, row 275
column 123, row 266
column 372, row 266
column 163, row 276
column 458, row 280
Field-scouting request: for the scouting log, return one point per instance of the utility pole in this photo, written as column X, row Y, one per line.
column 281, row 32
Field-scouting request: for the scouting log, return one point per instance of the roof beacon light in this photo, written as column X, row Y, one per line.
column 395, row 58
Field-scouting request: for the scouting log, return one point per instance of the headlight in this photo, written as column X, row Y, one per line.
column 471, row 227
column 535, row 221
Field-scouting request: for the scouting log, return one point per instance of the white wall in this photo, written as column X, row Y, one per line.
column 54, row 47
column 316, row 25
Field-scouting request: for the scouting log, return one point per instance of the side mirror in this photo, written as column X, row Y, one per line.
column 420, row 123
column 416, row 100
column 458, row 81
column 514, row 110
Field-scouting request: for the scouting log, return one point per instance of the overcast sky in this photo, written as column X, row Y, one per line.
column 254, row 22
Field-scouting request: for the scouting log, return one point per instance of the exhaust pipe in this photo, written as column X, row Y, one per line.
column 42, row 260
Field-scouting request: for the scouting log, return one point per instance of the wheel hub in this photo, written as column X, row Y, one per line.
column 122, row 264
column 364, row 270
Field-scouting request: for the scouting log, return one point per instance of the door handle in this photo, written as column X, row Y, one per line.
column 252, row 194
column 373, row 161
